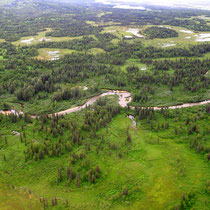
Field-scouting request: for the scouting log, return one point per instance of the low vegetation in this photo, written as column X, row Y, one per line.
column 85, row 155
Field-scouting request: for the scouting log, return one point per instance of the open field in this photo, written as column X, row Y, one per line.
column 96, row 51
column 134, row 62
column 157, row 169
column 40, row 37
column 17, row 199
column 119, row 31
column 2, row 40
column 56, row 53
column 185, row 38
column 52, row 53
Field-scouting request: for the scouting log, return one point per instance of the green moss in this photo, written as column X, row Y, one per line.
column 156, row 173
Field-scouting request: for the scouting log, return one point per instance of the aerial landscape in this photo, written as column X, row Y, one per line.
column 104, row 104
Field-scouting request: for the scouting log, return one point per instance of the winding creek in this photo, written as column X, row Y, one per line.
column 124, row 99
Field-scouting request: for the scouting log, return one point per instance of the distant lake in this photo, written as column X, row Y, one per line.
column 119, row 6
column 129, row 7
column 204, row 4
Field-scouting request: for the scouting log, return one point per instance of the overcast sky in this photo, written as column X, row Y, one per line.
column 191, row 3
column 207, row 2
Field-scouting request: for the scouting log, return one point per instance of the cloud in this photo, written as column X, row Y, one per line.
column 204, row 2
column 200, row 4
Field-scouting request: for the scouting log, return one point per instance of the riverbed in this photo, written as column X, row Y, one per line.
column 124, row 98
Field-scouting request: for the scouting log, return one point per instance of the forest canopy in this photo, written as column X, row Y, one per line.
column 160, row 32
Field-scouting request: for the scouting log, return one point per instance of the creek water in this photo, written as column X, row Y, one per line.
column 124, row 99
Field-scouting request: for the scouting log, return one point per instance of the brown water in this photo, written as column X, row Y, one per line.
column 124, row 99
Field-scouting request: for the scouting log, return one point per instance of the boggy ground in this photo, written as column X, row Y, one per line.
column 157, row 168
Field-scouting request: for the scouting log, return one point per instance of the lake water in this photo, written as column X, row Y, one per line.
column 129, row 7
column 44, row 39
column 168, row 45
column 128, row 37
column 54, row 55
column 202, row 37
column 27, row 41
column 139, row 4
column 186, row 31
column 119, row 5
column 135, row 32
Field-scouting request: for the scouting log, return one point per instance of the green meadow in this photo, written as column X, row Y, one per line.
column 158, row 168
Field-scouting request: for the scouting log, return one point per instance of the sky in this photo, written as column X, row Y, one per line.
column 204, row 4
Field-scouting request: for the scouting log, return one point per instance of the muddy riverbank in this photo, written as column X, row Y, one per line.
column 124, row 100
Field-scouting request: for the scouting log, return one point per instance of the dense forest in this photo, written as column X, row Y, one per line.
column 70, row 20
column 33, row 83
column 160, row 32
